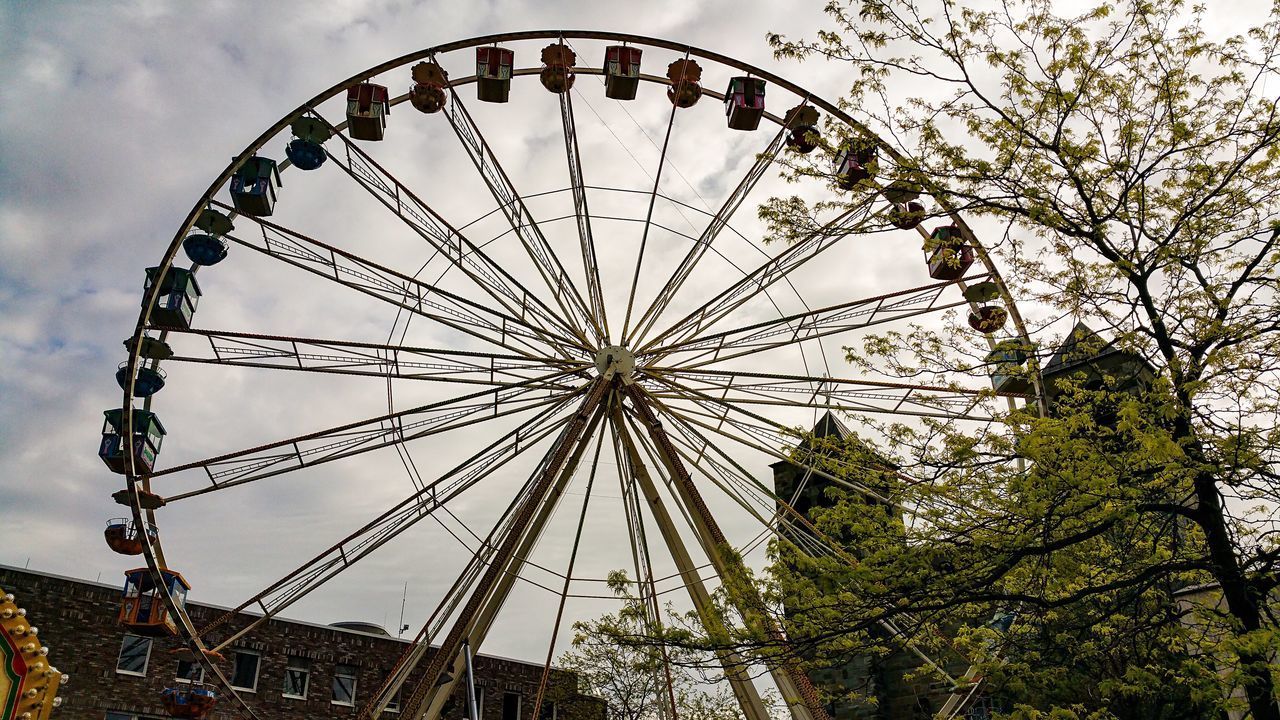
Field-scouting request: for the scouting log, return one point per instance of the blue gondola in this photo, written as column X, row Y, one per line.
column 1006, row 362
column 304, row 154
column 150, row 380
column 205, row 249
column 189, row 702
column 306, row 150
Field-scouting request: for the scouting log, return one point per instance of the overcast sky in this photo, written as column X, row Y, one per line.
column 114, row 118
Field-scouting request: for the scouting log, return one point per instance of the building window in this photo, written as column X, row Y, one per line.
column 344, row 685
column 134, row 652
column 297, row 678
column 190, row 671
column 548, row 711
column 479, row 704
column 510, row 706
column 393, row 705
column 244, row 675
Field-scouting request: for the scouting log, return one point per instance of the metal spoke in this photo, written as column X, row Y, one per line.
column 568, row 577
column 582, row 214
column 575, row 311
column 792, row 329
column 718, row 223
column 344, row 441
column 769, row 436
column 365, row 276
column 402, row 362
column 776, row 268
column 808, row 538
column 444, row 238
column 811, row 392
column 480, row 559
column 295, row 585
column 648, row 219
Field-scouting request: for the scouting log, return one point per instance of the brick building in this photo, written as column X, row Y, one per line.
column 286, row 670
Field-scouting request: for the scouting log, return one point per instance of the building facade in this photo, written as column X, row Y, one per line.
column 285, row 669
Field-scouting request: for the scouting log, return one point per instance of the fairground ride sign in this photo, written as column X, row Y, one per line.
column 28, row 683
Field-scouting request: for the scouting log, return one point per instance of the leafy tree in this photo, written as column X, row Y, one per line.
column 1075, row 544
column 1126, row 164
column 639, row 670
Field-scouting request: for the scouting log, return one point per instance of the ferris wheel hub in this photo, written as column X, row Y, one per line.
column 617, row 357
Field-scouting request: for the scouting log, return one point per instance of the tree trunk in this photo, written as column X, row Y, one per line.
column 1240, row 598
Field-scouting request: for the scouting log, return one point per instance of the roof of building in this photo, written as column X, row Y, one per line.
column 830, row 426
column 1083, row 344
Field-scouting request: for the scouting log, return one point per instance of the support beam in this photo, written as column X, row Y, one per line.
column 811, row 392
column 479, row 629
column 757, row 281
column 295, row 585
column 735, row 667
column 789, row 330
column 449, row 646
column 342, row 357
column 350, row 439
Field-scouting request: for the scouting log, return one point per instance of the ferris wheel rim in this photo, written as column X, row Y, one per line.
column 153, row 551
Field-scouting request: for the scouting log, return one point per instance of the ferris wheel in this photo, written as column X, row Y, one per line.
column 554, row 326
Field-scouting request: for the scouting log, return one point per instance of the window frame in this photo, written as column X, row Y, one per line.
column 257, row 669
column 519, row 709
column 146, row 657
column 301, row 664
column 395, row 700
column 354, row 674
column 179, row 677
